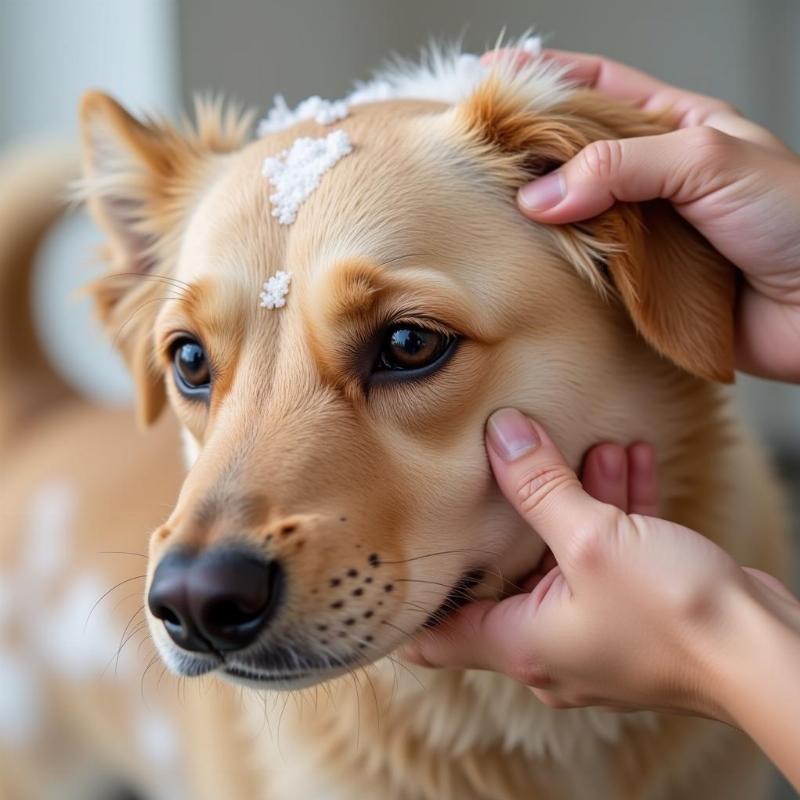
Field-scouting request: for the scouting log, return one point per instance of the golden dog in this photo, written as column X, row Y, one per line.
column 338, row 498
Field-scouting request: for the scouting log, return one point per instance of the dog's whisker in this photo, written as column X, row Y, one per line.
column 491, row 553
column 106, row 594
column 118, row 335
column 176, row 282
column 120, row 553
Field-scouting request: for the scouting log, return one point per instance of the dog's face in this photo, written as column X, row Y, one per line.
column 339, row 496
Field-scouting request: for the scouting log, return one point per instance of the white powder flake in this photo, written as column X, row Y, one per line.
column 280, row 116
column 296, row 172
column 275, row 290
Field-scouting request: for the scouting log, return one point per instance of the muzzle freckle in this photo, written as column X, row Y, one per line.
column 162, row 533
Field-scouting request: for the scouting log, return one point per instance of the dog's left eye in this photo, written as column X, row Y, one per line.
column 190, row 366
column 413, row 350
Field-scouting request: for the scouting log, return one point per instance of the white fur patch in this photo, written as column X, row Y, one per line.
column 191, row 448
column 76, row 644
column 275, row 290
column 21, row 700
column 51, row 512
column 443, row 74
column 296, row 172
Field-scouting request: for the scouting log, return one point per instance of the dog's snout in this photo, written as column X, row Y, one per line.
column 217, row 601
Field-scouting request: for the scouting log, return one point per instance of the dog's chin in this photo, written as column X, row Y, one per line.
column 276, row 681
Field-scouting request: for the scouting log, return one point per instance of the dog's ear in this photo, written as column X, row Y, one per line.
column 139, row 178
column 678, row 290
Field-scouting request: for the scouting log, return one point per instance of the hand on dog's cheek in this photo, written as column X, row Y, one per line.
column 611, row 474
column 615, row 622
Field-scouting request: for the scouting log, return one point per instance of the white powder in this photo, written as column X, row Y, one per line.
column 275, row 290
column 296, row 172
column 280, row 116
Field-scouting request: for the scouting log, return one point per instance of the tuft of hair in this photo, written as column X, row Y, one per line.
column 446, row 74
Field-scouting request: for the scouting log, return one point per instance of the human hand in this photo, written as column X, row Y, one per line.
column 732, row 179
column 637, row 613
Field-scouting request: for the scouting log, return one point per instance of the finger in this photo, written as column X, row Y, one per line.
column 605, row 474
column 767, row 332
column 482, row 635
column 642, row 480
column 681, row 166
column 771, row 582
column 686, row 109
column 538, row 482
column 513, row 56
column 608, row 76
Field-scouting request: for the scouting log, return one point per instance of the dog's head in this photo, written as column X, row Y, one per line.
column 339, row 496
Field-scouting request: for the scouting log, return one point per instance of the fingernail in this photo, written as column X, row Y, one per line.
column 543, row 193
column 612, row 462
column 511, row 434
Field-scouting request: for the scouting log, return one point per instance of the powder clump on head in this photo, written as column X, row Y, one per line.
column 296, row 172
column 280, row 116
column 275, row 290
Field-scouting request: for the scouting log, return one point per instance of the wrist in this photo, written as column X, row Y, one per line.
column 758, row 633
column 720, row 651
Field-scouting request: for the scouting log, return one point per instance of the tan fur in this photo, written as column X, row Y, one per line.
column 599, row 331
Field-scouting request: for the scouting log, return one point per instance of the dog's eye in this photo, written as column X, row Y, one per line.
column 413, row 350
column 190, row 365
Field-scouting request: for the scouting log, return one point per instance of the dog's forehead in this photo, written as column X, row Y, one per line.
column 372, row 202
column 403, row 197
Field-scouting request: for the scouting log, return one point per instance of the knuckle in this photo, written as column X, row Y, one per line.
column 602, row 159
column 530, row 672
column 589, row 544
column 709, row 144
column 536, row 486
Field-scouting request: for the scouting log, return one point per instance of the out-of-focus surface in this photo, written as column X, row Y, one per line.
column 152, row 54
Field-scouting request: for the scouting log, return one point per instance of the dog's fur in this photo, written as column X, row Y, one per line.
column 613, row 330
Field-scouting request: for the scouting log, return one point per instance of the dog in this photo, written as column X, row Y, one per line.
column 338, row 499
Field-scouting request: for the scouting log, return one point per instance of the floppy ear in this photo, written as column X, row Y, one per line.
column 678, row 290
column 138, row 181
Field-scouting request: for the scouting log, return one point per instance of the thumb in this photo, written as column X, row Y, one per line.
column 486, row 634
column 538, row 482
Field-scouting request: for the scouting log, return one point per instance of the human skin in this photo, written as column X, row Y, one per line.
column 629, row 611
column 732, row 179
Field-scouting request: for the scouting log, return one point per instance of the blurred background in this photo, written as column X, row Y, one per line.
column 153, row 54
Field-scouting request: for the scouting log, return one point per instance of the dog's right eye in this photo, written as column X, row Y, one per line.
column 190, row 366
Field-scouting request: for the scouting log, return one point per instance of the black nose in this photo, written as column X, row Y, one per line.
column 217, row 601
